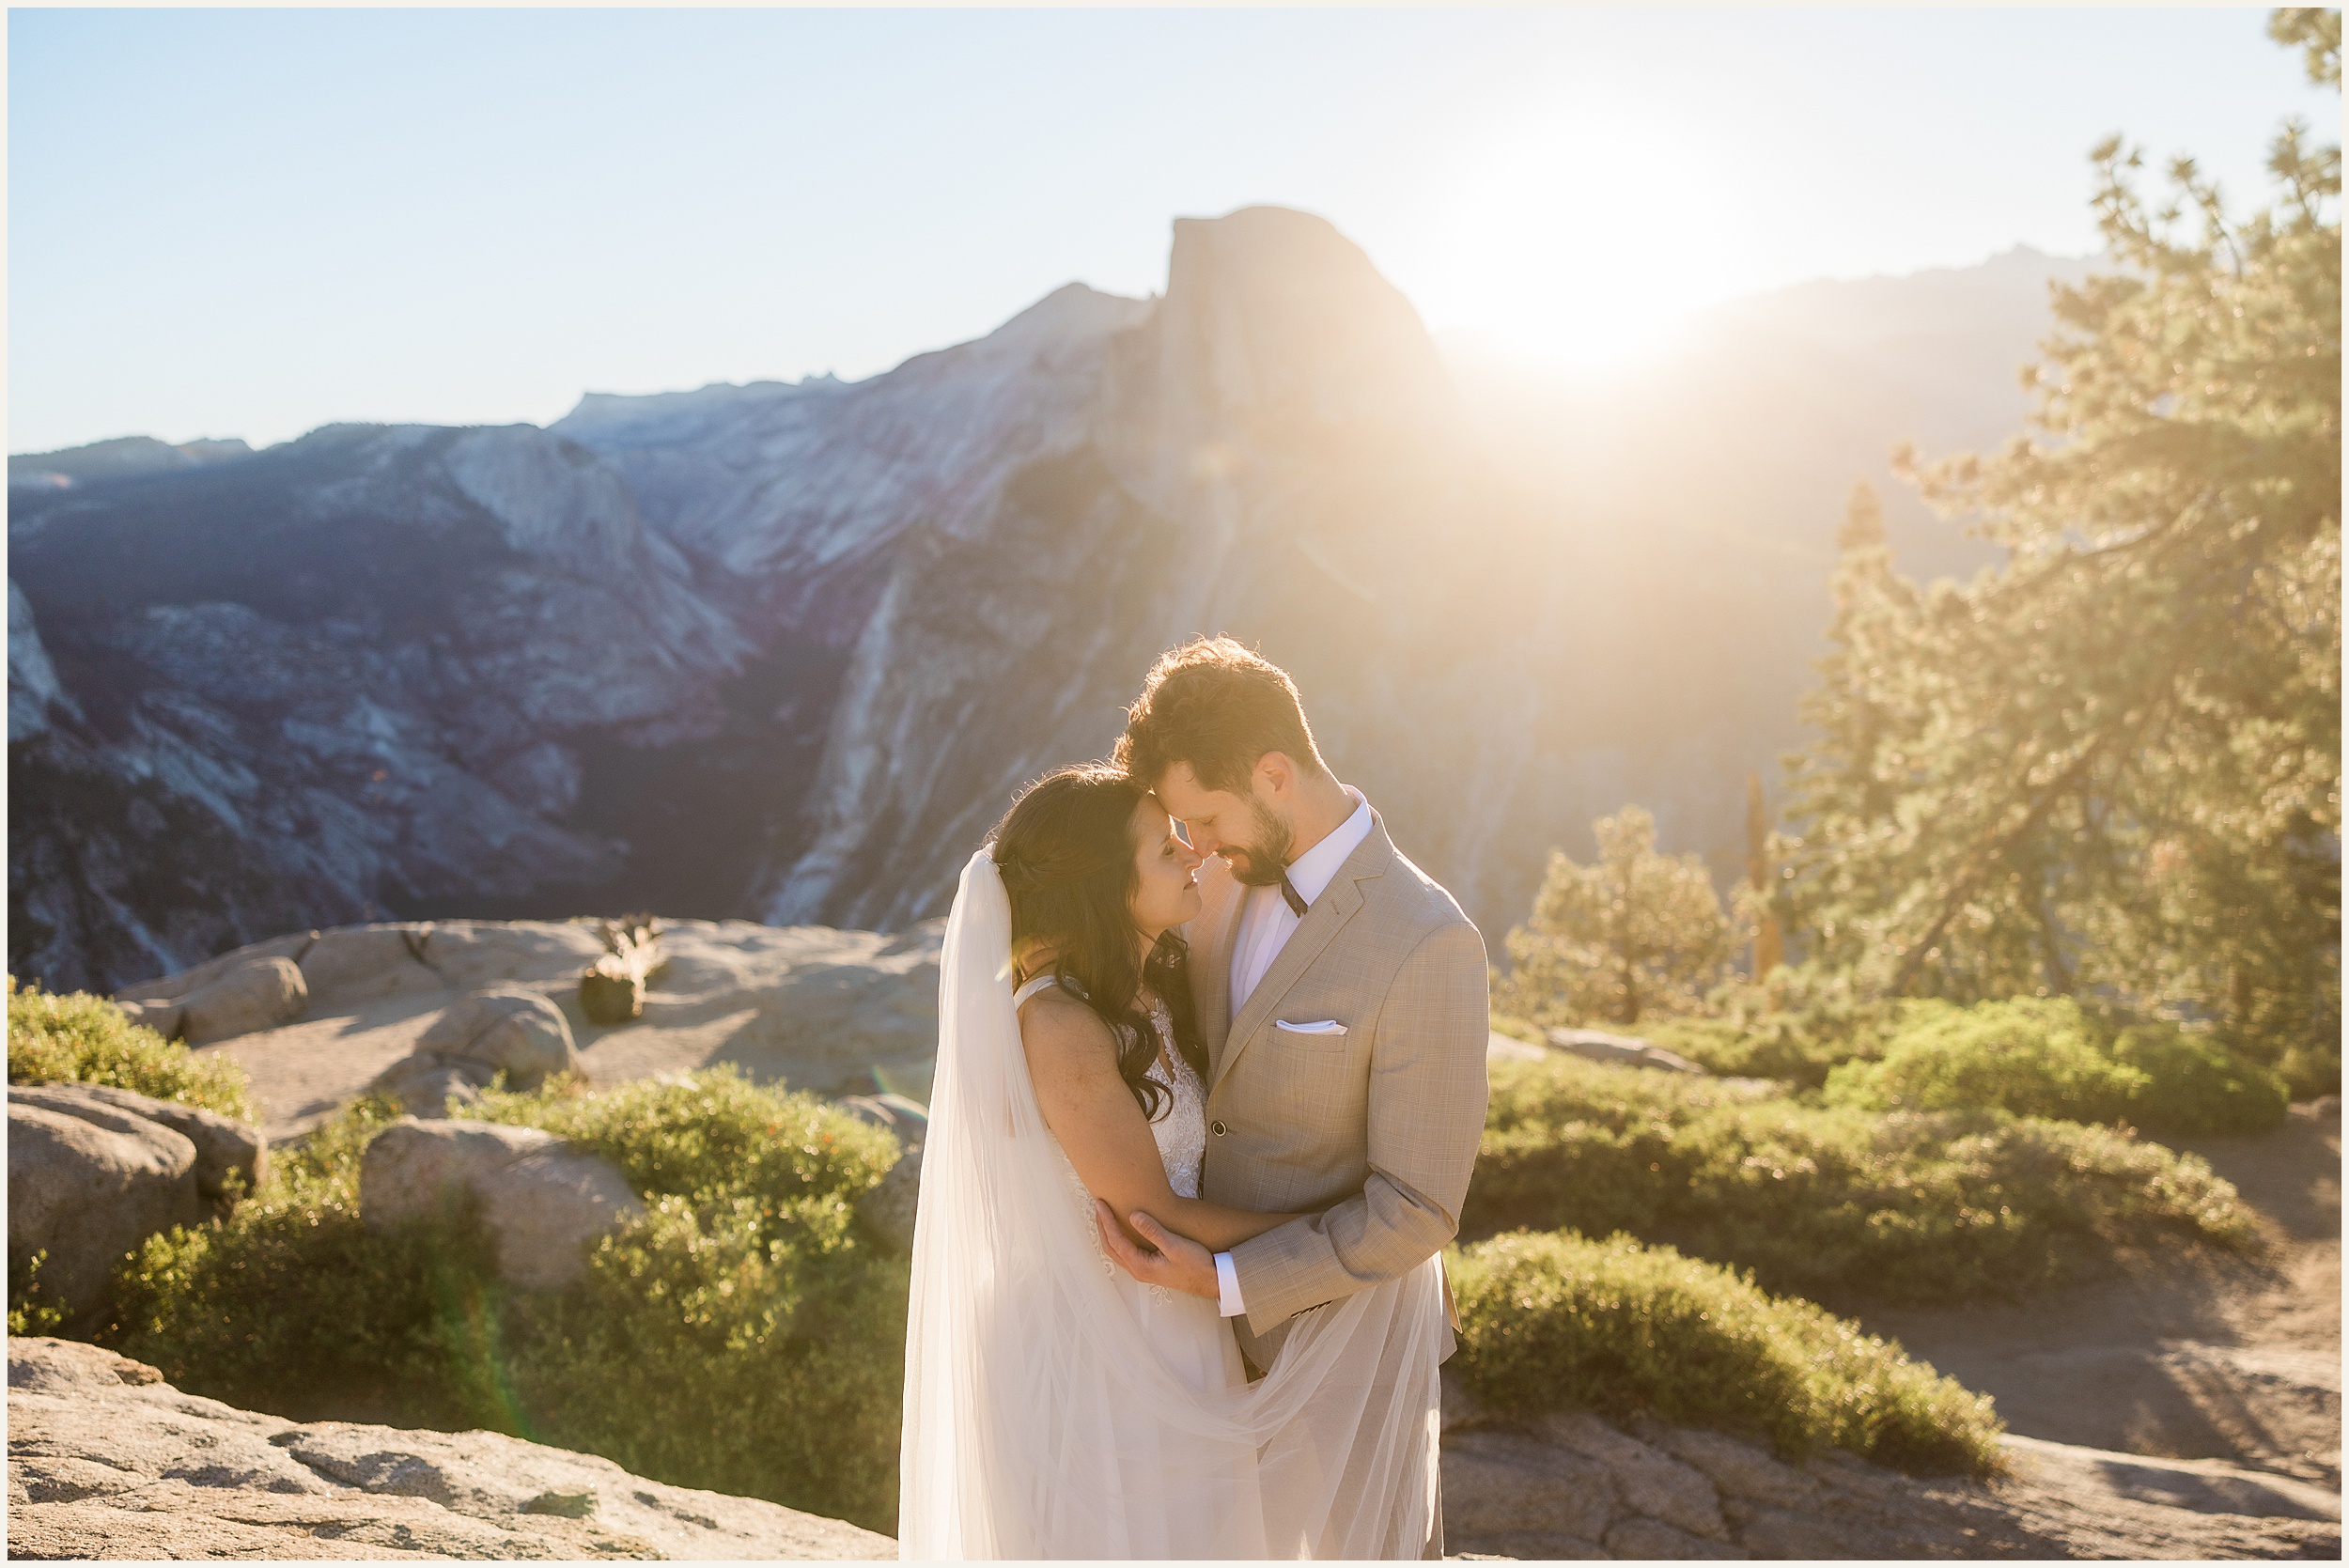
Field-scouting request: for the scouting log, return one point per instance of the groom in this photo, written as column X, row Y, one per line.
column 1341, row 995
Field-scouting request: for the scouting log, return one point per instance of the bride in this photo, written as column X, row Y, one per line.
column 1054, row 1407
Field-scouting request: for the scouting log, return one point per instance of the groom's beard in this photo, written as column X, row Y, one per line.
column 1262, row 863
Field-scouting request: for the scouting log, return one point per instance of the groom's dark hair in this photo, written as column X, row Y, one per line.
column 1218, row 706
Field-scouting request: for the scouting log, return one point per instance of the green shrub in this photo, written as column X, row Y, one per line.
column 1619, row 1327
column 1922, row 1206
column 291, row 1305
column 1774, row 1047
column 2308, row 1067
column 711, row 1138
column 2311, row 1069
column 75, row 1037
column 2046, row 1056
column 2197, row 1085
column 1795, row 1024
column 2031, row 1056
column 29, row 1311
column 708, row 1351
column 742, row 1336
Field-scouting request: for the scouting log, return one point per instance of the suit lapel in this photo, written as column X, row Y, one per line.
column 1322, row 922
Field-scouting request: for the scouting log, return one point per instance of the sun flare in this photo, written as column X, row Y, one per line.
column 1584, row 241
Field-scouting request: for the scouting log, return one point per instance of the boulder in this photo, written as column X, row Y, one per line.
column 358, row 963
column 186, row 983
column 888, row 1210
column 1501, row 1048
column 224, row 1147
column 107, row 1460
column 1621, row 1050
column 508, row 1028
column 542, row 1202
column 260, row 994
column 427, row 1085
column 163, row 1017
column 89, row 1187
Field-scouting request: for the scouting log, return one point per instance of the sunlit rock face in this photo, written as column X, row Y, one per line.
column 1270, row 452
column 787, row 651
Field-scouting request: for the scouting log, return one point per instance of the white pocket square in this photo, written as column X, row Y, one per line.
column 1325, row 1026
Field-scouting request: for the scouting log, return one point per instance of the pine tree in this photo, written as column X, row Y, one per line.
column 1769, row 940
column 1854, row 860
column 1633, row 935
column 2112, row 762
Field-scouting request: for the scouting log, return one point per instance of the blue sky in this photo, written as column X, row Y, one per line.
column 252, row 223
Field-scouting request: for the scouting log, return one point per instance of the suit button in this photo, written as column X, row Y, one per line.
column 1216, row 1127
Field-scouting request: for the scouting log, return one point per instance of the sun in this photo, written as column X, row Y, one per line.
column 1582, row 239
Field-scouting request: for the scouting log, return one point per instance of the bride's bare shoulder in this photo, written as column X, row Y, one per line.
column 1064, row 1034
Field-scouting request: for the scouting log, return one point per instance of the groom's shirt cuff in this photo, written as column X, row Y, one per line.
column 1227, row 1287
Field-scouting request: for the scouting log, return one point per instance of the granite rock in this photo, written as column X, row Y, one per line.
column 257, row 995
column 227, row 1151
column 543, row 1203
column 106, row 1460
column 87, row 1186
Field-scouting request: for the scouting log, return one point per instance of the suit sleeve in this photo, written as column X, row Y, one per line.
column 1427, row 1114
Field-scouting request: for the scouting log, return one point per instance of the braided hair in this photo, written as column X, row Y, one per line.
column 1067, row 855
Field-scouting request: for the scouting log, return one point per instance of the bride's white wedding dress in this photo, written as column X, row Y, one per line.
column 1056, row 1407
column 1186, row 1331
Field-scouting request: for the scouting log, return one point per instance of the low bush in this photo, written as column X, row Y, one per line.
column 1774, row 1046
column 711, row 1139
column 79, row 1038
column 2309, row 1067
column 291, row 1305
column 2046, row 1056
column 2030, row 1057
column 1618, row 1327
column 1797, row 1024
column 742, row 1336
column 1836, row 1203
column 2197, row 1085
column 30, row 1309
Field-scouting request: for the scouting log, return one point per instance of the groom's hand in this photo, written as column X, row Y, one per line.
column 1169, row 1260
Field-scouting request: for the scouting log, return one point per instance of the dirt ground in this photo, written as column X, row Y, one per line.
column 2182, row 1357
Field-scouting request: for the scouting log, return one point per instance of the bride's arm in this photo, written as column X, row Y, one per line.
column 1073, row 1062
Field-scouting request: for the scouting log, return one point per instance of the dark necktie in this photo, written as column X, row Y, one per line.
column 1289, row 893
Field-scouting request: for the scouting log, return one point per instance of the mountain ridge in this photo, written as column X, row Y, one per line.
column 784, row 649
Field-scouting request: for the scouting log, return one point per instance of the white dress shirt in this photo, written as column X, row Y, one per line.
column 1266, row 925
column 1267, row 922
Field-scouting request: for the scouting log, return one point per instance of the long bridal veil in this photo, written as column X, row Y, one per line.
column 1041, row 1421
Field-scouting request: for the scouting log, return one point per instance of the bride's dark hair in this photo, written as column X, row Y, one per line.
column 1068, row 854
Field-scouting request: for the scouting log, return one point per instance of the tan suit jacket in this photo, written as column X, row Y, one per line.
column 1373, row 1133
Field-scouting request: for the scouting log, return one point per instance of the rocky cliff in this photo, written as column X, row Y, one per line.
column 784, row 651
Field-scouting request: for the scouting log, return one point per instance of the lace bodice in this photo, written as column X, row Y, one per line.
column 1181, row 1129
